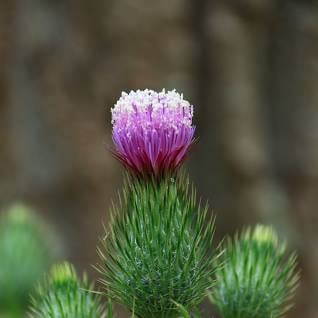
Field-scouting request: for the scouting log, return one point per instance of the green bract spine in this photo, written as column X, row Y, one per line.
column 63, row 295
column 156, row 257
column 254, row 277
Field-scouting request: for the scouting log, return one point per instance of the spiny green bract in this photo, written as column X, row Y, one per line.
column 253, row 277
column 25, row 255
column 157, row 252
column 63, row 295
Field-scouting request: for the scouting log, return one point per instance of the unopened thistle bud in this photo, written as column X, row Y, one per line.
column 254, row 278
column 63, row 294
column 25, row 252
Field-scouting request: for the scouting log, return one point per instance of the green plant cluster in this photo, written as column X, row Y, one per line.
column 156, row 260
column 254, row 278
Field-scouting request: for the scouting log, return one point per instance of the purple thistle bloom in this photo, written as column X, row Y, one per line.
column 152, row 131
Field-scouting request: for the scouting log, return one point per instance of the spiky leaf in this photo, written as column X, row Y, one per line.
column 157, row 252
column 254, row 279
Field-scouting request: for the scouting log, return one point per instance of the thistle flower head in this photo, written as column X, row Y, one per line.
column 254, row 278
column 152, row 131
column 63, row 294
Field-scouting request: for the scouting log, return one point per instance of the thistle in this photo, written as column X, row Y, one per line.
column 152, row 131
column 25, row 253
column 156, row 258
column 157, row 252
column 254, row 278
column 63, row 294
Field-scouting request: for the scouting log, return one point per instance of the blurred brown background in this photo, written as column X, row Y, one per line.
column 250, row 67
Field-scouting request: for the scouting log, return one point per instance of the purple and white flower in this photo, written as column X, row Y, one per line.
column 152, row 131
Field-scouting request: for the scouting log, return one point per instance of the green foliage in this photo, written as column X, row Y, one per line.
column 63, row 295
column 25, row 256
column 157, row 253
column 254, row 279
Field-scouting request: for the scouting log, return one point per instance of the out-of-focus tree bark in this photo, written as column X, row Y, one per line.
column 154, row 49
column 56, row 117
column 6, row 25
column 295, row 107
column 238, row 37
